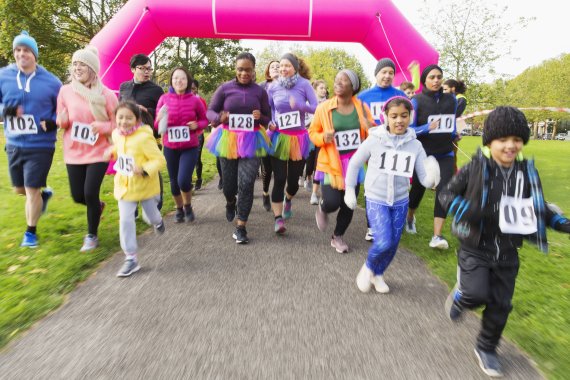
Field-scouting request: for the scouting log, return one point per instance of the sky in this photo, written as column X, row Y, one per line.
column 546, row 37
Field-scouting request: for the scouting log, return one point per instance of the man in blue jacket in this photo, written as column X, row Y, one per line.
column 28, row 99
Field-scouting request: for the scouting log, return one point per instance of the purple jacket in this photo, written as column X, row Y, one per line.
column 181, row 110
column 237, row 98
column 302, row 92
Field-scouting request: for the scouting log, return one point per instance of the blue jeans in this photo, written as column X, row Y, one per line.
column 387, row 222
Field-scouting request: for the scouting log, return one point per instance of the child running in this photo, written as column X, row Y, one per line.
column 393, row 153
column 138, row 163
column 496, row 199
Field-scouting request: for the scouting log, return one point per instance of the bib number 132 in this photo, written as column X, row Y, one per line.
column 347, row 140
column 397, row 163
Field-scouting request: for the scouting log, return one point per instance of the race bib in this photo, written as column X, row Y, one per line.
column 289, row 120
column 83, row 133
column 125, row 165
column 241, row 122
column 397, row 162
column 446, row 123
column 376, row 110
column 178, row 134
column 516, row 214
column 20, row 125
column 347, row 140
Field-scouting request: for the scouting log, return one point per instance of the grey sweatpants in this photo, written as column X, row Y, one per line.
column 128, row 229
column 239, row 178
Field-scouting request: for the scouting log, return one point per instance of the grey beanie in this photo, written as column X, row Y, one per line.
column 384, row 62
column 291, row 58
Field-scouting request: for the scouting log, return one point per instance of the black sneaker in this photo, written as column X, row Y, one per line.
column 46, row 195
column 179, row 217
column 452, row 309
column 198, row 184
column 240, row 235
column 230, row 211
column 489, row 362
column 159, row 228
column 266, row 202
column 220, row 184
column 189, row 214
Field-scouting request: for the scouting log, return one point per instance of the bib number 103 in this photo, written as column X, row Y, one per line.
column 397, row 163
column 83, row 133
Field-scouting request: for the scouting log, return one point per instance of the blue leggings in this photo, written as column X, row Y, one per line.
column 387, row 222
column 180, row 164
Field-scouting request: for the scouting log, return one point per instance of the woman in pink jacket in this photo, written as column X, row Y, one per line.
column 85, row 111
column 184, row 116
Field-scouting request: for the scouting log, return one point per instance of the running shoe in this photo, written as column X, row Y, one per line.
column 308, row 185
column 380, row 284
column 338, row 243
column 411, row 226
column 30, row 240
column 489, row 363
column 369, row 235
column 179, row 216
column 364, row 279
column 266, row 202
column 189, row 214
column 220, row 184
column 314, row 199
column 230, row 211
column 198, row 185
column 90, row 242
column 452, row 309
column 240, row 235
column 46, row 195
column 159, row 228
column 438, row 242
column 279, row 226
column 287, row 209
column 129, row 267
column 322, row 219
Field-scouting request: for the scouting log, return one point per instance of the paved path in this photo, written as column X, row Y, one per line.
column 285, row 307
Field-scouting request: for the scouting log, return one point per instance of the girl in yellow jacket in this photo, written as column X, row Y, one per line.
column 138, row 163
column 338, row 127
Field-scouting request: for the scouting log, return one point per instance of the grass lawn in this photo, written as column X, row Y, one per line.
column 34, row 282
column 540, row 320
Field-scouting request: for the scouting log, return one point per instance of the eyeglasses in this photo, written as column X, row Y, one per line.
column 146, row 69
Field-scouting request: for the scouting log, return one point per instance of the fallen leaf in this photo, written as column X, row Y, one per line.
column 11, row 245
column 23, row 258
column 38, row 270
column 13, row 268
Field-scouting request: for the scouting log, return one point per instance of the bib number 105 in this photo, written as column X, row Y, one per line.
column 125, row 165
column 397, row 163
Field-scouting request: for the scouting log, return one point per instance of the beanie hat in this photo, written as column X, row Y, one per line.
column 88, row 56
column 503, row 122
column 353, row 77
column 384, row 62
column 291, row 58
column 426, row 71
column 25, row 39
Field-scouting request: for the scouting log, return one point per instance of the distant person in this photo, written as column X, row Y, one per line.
column 408, row 88
column 199, row 165
column 28, row 98
column 457, row 88
column 310, row 183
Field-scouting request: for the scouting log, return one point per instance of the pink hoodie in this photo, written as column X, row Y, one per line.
column 78, row 110
column 181, row 110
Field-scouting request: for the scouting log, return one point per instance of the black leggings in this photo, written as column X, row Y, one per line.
column 199, row 165
column 285, row 172
column 239, row 179
column 332, row 200
column 85, row 184
column 417, row 191
column 312, row 163
column 219, row 167
column 266, row 171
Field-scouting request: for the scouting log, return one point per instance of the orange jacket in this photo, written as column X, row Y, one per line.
column 329, row 158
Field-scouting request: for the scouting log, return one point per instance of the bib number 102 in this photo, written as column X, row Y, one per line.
column 397, row 163
column 21, row 125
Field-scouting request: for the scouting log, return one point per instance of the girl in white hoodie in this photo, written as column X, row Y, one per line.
column 393, row 153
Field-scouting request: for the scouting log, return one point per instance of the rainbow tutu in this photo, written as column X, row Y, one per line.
column 295, row 145
column 234, row 145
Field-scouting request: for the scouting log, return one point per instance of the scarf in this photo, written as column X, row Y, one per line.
column 129, row 131
column 288, row 82
column 94, row 96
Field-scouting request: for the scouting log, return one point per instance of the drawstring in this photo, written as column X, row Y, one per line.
column 27, row 89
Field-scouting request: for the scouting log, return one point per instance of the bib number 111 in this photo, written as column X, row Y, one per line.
column 397, row 163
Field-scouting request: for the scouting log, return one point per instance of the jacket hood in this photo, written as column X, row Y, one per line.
column 389, row 139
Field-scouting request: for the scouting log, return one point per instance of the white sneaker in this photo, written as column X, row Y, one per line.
column 369, row 235
column 308, row 185
column 364, row 279
column 314, row 199
column 411, row 226
column 380, row 285
column 438, row 242
column 301, row 180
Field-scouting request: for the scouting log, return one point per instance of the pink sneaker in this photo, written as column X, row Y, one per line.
column 322, row 219
column 339, row 244
column 280, row 226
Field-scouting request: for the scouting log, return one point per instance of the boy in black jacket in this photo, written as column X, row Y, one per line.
column 496, row 199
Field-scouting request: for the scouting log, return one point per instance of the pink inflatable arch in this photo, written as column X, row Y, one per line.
column 378, row 25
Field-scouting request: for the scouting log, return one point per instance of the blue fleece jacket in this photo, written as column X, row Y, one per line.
column 375, row 98
column 37, row 94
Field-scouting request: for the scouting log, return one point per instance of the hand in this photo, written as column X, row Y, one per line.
column 256, row 114
column 433, row 175
column 137, row 170
column 292, row 102
column 350, row 198
column 108, row 154
column 162, row 112
column 328, row 137
column 224, row 117
column 434, row 124
column 272, row 126
column 94, row 128
column 142, row 108
column 62, row 118
column 48, row 125
column 192, row 125
column 13, row 111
